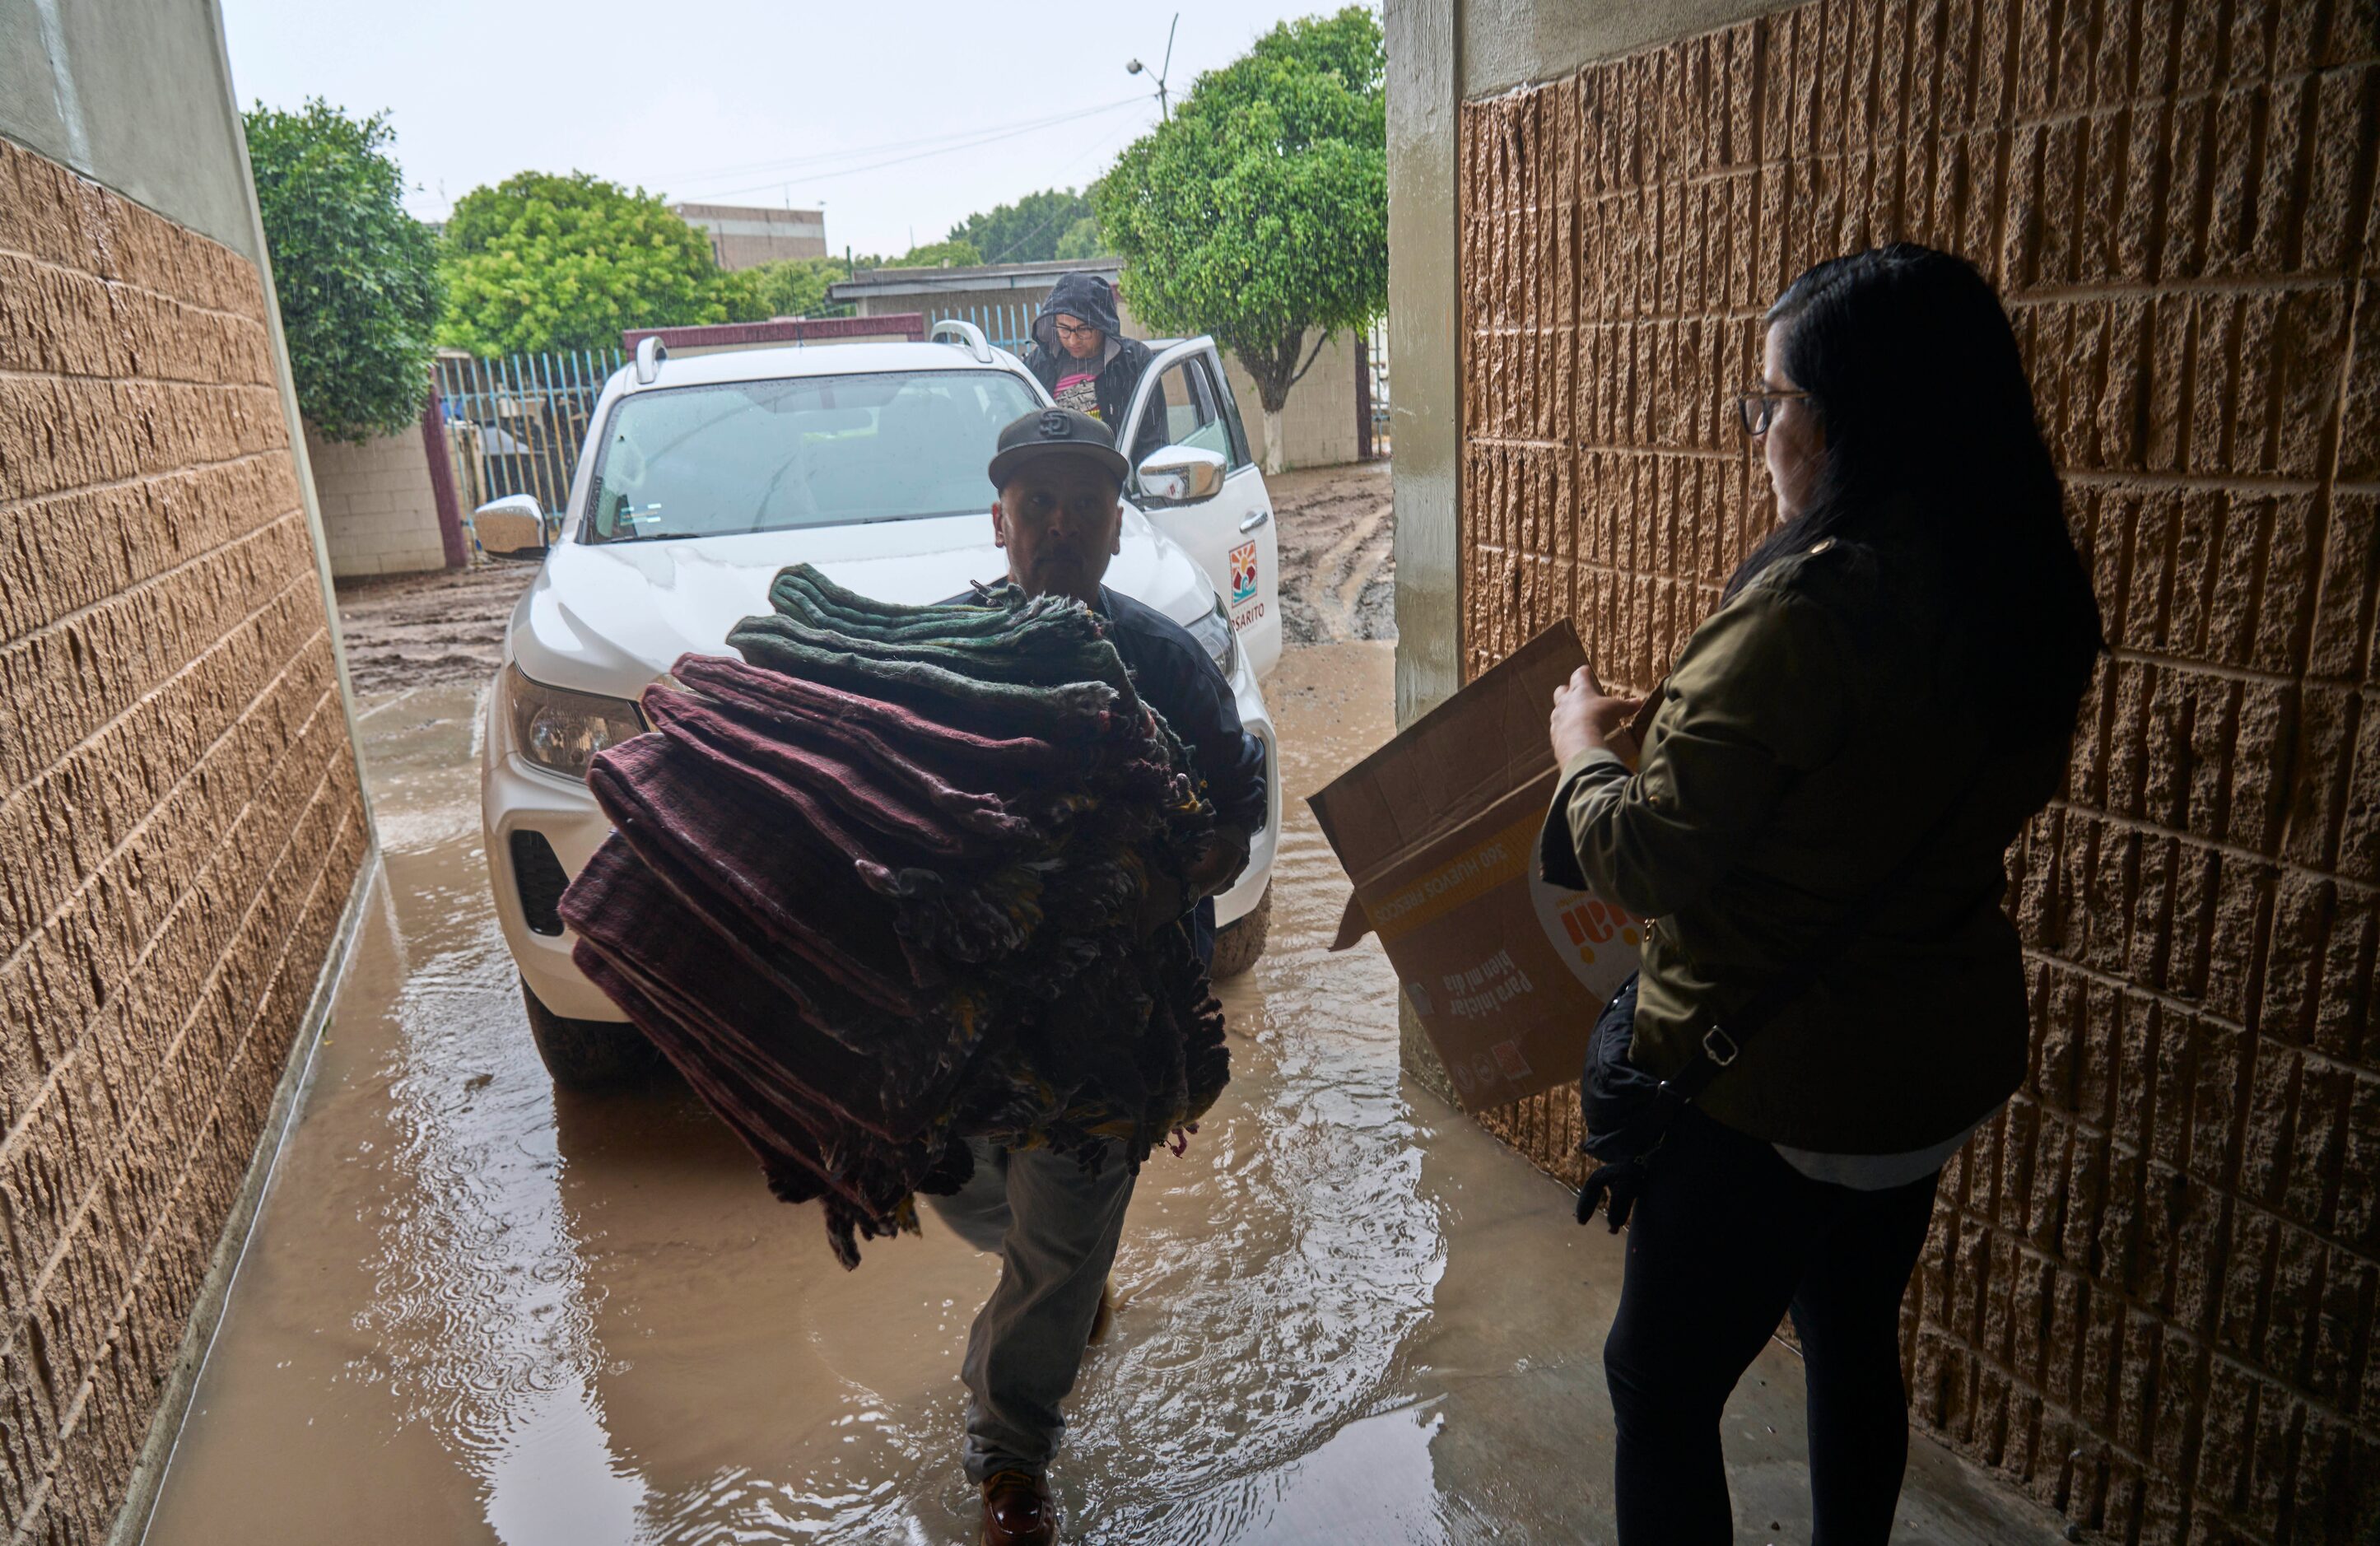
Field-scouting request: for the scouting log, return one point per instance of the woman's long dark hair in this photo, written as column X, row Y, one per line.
column 1931, row 439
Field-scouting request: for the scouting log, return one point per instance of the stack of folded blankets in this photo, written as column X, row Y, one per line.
column 875, row 889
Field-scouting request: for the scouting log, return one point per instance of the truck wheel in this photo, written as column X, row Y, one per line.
column 590, row 1054
column 1240, row 941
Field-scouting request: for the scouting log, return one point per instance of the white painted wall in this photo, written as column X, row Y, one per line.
column 1318, row 424
column 379, row 516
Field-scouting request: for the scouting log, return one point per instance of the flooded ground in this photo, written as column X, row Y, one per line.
column 444, row 626
column 474, row 1311
column 1337, row 553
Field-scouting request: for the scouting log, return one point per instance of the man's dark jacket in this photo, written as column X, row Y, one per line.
column 1086, row 296
column 1175, row 676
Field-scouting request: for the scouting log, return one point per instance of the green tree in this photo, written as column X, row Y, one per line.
column 788, row 287
column 1260, row 213
column 1027, row 231
column 957, row 252
column 357, row 276
column 541, row 262
column 1082, row 240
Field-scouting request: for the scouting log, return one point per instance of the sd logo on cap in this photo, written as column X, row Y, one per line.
column 1056, row 432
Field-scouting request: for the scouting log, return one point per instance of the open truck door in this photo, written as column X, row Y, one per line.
column 1184, row 403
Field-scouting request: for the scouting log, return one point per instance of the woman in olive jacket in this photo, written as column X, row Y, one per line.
column 1895, row 670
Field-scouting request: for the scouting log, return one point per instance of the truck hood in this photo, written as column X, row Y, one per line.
column 611, row 617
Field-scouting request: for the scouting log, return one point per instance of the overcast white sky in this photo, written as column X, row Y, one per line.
column 747, row 102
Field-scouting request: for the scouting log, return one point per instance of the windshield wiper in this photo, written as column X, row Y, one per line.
column 761, row 507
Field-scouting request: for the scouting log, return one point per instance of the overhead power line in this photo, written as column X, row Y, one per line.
column 816, row 167
column 917, row 155
column 1036, row 234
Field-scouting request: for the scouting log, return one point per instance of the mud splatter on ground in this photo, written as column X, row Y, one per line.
column 1338, row 555
column 420, row 630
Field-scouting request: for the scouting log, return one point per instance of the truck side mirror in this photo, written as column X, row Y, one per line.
column 1175, row 475
column 510, row 527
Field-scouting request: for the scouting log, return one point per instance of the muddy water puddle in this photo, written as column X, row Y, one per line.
column 474, row 1311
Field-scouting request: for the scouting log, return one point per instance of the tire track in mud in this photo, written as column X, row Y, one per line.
column 1337, row 531
column 446, row 626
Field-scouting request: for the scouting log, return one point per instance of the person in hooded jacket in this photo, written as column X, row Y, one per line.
column 1085, row 363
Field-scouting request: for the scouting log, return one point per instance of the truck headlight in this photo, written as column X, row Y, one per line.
column 562, row 731
column 1217, row 637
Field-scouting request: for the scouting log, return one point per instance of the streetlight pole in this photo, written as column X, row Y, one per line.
column 1164, row 108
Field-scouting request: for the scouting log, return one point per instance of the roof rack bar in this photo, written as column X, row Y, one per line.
column 650, row 352
column 968, row 335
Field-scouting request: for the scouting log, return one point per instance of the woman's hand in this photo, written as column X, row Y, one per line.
column 1585, row 717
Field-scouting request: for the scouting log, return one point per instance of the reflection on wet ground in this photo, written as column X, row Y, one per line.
column 472, row 1310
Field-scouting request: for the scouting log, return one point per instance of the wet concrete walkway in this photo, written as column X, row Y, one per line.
column 472, row 1311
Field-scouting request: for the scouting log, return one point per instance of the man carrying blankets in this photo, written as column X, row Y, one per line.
column 1054, row 1223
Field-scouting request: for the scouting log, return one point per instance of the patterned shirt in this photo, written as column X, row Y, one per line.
column 1079, row 392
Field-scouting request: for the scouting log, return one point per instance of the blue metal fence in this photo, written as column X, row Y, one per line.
column 1376, row 395
column 515, row 423
column 1006, row 325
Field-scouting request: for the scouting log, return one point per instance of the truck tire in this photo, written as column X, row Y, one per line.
column 1240, row 941
column 590, row 1054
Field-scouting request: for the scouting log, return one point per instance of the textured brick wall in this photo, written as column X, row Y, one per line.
column 380, row 514
column 179, row 821
column 2150, row 1291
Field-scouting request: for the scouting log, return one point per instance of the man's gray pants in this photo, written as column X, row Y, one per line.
column 1055, row 1228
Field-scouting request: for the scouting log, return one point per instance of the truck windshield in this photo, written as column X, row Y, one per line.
column 771, row 456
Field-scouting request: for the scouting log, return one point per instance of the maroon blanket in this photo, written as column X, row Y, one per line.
column 888, row 898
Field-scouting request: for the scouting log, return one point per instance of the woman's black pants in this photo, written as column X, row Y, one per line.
column 1725, row 1239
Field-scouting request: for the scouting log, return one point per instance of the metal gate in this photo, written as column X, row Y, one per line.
column 1006, row 324
column 515, row 424
column 1373, row 360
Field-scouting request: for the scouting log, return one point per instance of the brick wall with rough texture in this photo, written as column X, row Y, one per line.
column 179, row 818
column 2150, row 1290
column 380, row 513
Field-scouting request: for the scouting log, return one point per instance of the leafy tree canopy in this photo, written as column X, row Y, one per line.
column 957, row 252
column 357, row 276
column 788, row 287
column 1260, row 213
column 1030, row 230
column 541, row 262
column 1083, row 240
column 797, row 286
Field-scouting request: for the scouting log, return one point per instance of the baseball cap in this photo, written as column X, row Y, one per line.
column 1056, row 432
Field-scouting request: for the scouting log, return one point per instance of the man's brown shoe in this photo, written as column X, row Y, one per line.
column 1018, row 1511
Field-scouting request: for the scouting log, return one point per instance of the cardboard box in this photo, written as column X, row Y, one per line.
column 1438, row 830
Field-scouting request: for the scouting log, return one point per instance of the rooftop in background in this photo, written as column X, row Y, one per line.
column 745, row 235
column 882, row 284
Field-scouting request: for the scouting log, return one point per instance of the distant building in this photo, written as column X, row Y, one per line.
column 742, row 236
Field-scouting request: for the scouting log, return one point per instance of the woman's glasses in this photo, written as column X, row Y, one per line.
column 1085, row 331
column 1757, row 410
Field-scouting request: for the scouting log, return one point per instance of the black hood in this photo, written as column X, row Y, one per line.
column 1077, row 294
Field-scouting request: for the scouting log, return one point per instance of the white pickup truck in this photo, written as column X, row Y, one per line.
column 702, row 477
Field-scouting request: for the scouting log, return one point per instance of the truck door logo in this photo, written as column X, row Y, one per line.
column 1243, row 571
